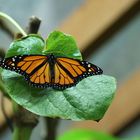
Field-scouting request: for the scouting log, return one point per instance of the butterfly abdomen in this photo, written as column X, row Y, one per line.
column 52, row 61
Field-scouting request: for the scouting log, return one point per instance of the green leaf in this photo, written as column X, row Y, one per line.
column 32, row 44
column 2, row 87
column 89, row 100
column 136, row 138
column 62, row 45
column 85, row 134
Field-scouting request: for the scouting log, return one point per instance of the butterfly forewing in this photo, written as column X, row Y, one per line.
column 69, row 65
column 78, row 69
column 23, row 63
column 33, row 67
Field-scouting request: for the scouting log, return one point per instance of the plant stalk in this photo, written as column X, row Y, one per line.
column 19, row 131
column 51, row 124
column 10, row 25
column 25, row 121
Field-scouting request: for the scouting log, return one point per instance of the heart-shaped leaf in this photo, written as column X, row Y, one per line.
column 89, row 100
column 62, row 45
column 32, row 44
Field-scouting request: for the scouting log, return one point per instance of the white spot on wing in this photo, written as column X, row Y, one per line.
column 89, row 70
column 89, row 65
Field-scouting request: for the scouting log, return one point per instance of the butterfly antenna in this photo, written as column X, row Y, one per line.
column 8, row 120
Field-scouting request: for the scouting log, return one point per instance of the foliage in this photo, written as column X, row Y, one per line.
column 89, row 100
column 85, row 134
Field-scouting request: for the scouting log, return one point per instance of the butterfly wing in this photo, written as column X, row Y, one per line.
column 41, row 77
column 62, row 78
column 35, row 68
column 68, row 72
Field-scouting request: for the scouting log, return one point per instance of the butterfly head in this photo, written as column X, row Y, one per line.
column 51, row 56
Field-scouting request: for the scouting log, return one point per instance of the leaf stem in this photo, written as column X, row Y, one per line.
column 51, row 124
column 34, row 25
column 22, row 133
column 10, row 24
column 25, row 121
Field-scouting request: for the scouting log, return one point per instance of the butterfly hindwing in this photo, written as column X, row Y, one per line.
column 62, row 79
column 41, row 77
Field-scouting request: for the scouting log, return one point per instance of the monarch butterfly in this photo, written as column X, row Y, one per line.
column 44, row 71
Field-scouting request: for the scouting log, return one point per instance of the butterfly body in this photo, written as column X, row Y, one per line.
column 52, row 61
column 44, row 71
